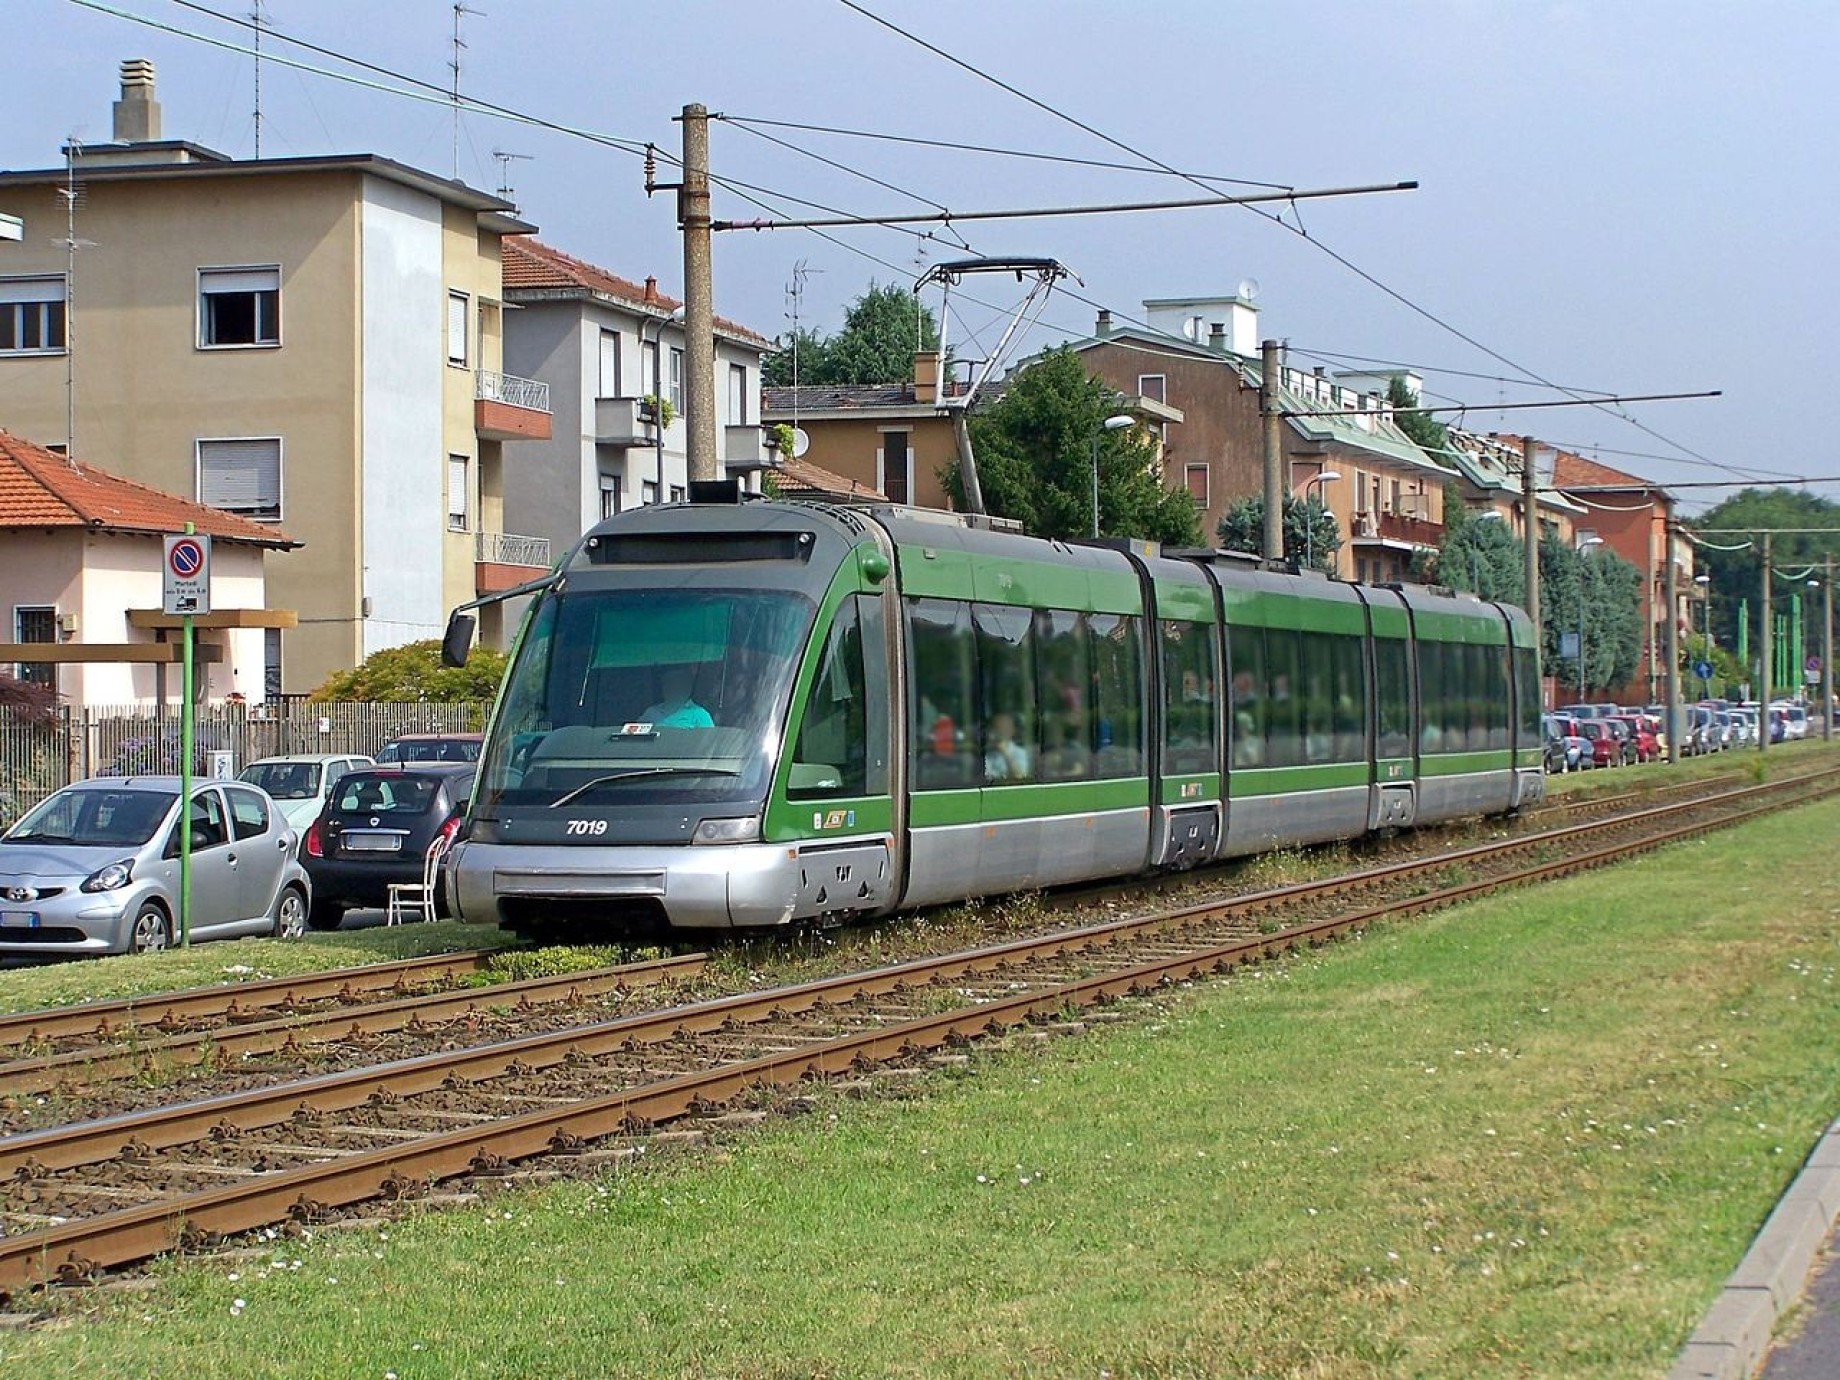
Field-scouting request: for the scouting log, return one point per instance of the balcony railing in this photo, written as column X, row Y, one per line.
column 507, row 548
column 511, row 390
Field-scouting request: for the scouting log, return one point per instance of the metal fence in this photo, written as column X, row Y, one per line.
column 120, row 740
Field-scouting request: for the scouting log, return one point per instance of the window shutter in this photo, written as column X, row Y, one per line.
column 456, row 327
column 46, row 289
column 239, row 280
column 243, row 476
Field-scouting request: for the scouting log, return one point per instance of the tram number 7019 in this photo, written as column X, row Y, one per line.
column 585, row 826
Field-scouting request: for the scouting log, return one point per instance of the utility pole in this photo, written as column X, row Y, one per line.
column 699, row 299
column 1763, row 646
column 1274, row 450
column 1827, row 651
column 1530, row 535
column 1670, row 643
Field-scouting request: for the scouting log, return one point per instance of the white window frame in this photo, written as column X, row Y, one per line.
column 648, row 492
column 1207, row 478
column 609, row 350
column 677, row 381
column 459, row 506
column 222, row 274
column 737, row 395
column 609, row 490
column 35, row 292
column 20, row 669
column 253, row 514
column 1161, row 393
column 456, row 329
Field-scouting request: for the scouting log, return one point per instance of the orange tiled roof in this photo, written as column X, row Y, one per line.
column 802, row 479
column 1574, row 471
column 42, row 489
column 529, row 263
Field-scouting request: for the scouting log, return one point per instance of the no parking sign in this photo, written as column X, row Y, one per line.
column 186, row 582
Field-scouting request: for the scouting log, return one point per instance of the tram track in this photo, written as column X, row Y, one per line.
column 92, row 1196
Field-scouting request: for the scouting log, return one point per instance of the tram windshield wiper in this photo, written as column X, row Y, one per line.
column 613, row 778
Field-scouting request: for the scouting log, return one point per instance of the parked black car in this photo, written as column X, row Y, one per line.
column 376, row 829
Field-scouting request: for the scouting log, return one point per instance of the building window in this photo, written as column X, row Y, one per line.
column 897, row 466
column 677, row 381
column 677, row 493
column 609, row 385
column 458, row 483
column 1153, row 386
column 239, row 306
column 32, row 624
column 456, row 328
column 648, row 369
column 242, row 475
column 1197, row 477
column 610, row 495
column 271, row 664
column 737, row 395
column 648, row 492
column 32, row 315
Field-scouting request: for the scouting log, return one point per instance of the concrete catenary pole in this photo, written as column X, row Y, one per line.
column 699, row 299
column 1827, row 651
column 1763, row 646
column 1274, row 450
column 1530, row 534
column 1670, row 641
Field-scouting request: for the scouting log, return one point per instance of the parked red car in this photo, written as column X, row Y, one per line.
column 1648, row 746
column 1606, row 747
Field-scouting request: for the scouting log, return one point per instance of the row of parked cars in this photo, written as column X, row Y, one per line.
column 291, row 844
column 1607, row 735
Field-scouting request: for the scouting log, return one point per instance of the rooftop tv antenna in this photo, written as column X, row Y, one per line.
column 505, row 159
column 258, row 18
column 795, row 297
column 1045, row 273
column 460, row 8
column 73, row 198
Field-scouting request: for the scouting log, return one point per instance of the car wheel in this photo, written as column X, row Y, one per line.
column 290, row 914
column 152, row 931
column 326, row 915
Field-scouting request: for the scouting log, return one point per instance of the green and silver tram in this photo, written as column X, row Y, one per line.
column 739, row 715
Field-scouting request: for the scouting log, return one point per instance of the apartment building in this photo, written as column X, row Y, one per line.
column 603, row 345
column 315, row 342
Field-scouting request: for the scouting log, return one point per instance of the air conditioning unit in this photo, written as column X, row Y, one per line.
column 68, row 623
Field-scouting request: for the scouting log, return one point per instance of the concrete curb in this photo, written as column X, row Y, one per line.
column 1730, row 1341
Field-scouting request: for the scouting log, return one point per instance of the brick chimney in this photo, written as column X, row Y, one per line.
column 926, row 376
column 137, row 114
column 651, row 291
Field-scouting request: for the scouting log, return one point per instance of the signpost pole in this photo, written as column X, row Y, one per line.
column 185, row 778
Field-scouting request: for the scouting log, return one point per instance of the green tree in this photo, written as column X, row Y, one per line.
column 1307, row 526
column 1035, row 456
column 1481, row 555
column 413, row 673
column 1597, row 593
column 1426, row 432
column 881, row 331
column 1737, row 574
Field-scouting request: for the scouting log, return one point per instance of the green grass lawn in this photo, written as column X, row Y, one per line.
column 1529, row 1137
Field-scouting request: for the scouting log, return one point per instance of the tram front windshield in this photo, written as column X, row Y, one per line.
column 644, row 696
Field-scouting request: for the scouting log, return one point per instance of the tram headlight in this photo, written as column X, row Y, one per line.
column 728, row 830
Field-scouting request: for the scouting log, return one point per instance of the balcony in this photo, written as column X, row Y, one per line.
column 503, row 560
column 743, row 449
column 1395, row 530
column 508, row 408
column 623, row 422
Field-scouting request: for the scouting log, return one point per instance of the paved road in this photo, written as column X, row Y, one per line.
column 1813, row 1352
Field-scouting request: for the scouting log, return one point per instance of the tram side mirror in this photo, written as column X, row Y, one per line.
column 458, row 641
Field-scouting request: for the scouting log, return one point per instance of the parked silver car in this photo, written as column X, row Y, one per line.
column 94, row 869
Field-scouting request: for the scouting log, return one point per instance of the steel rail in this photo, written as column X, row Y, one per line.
column 109, row 1019
column 51, row 1071
column 78, row 1250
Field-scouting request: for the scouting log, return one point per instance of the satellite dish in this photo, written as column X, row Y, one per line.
column 1191, row 327
column 800, row 442
column 1249, row 288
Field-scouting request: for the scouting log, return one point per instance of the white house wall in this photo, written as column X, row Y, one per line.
column 404, row 305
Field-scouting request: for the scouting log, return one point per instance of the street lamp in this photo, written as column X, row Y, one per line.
column 1309, row 521
column 675, row 315
column 1109, row 424
column 1585, row 545
column 1705, row 584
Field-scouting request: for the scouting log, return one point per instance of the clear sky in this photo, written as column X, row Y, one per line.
column 1620, row 196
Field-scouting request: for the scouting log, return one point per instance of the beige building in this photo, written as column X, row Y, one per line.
column 313, row 342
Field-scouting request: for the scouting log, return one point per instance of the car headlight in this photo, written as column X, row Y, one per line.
column 111, row 878
column 728, row 830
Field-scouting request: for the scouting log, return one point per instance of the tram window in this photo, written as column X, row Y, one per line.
column 1494, row 700
column 1350, row 720
column 1527, row 685
column 1435, row 693
column 1190, row 652
column 1118, row 695
column 834, row 755
column 1247, row 649
column 1283, row 703
column 1393, row 694
column 941, row 746
column 1006, row 676
column 1318, row 686
column 1063, row 666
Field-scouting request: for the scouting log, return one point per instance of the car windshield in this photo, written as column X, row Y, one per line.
column 431, row 750
column 95, row 818
column 381, row 793
column 645, row 696
column 284, row 780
